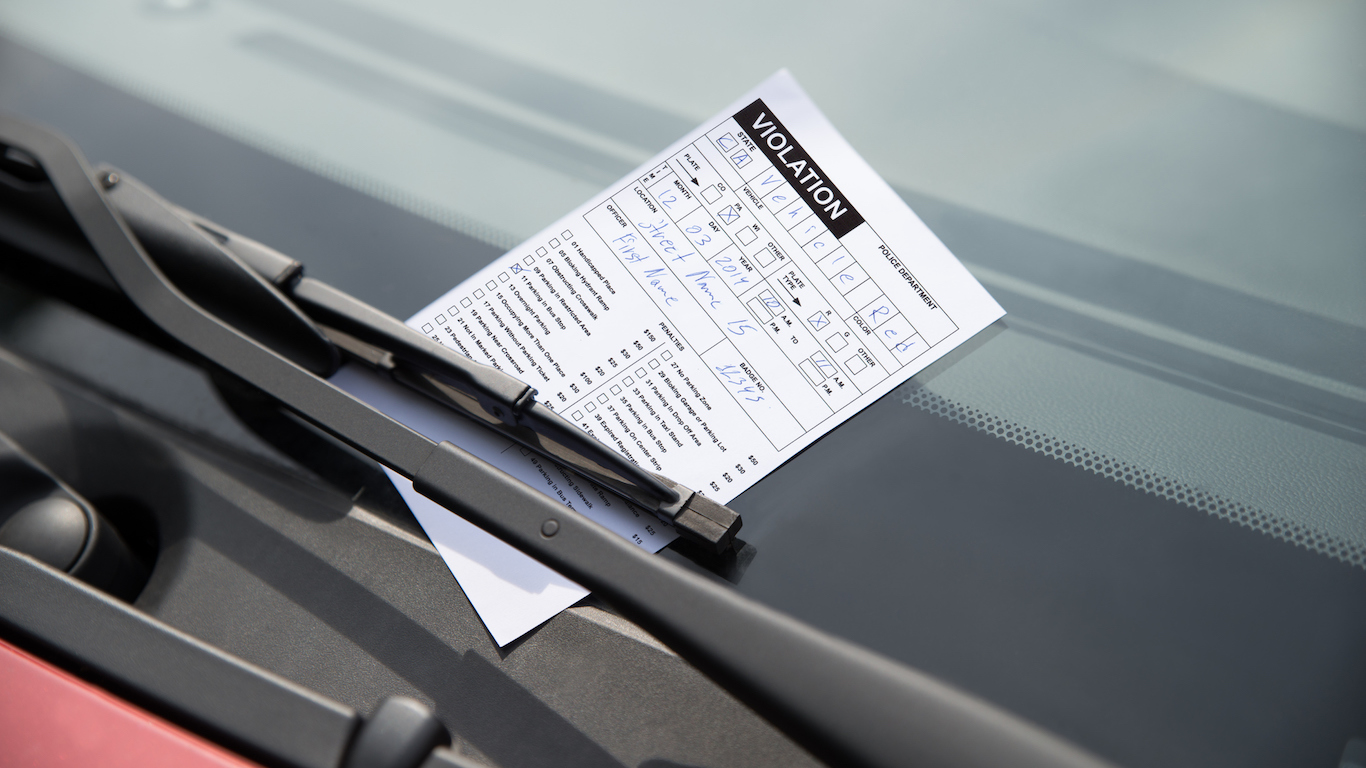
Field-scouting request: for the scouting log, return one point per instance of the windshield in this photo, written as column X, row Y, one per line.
column 1114, row 506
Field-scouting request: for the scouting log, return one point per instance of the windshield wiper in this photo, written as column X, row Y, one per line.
column 845, row 704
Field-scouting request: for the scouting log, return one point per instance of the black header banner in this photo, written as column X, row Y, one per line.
column 798, row 168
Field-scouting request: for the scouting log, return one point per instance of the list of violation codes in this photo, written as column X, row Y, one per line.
column 744, row 293
column 708, row 316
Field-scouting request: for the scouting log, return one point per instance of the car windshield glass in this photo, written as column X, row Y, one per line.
column 1165, row 438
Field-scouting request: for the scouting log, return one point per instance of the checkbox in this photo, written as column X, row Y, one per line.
column 577, row 415
column 491, row 285
column 855, row 364
column 616, row 390
column 836, row 342
column 540, row 251
column 478, row 294
column 503, row 277
column 602, row 398
column 590, row 407
column 640, row 372
column 654, row 363
column 465, row 302
column 667, row 355
column 523, row 450
column 453, row 310
column 566, row 234
column 554, row 243
column 628, row 381
column 426, row 327
column 441, row 319
column 710, row 194
column 527, row 261
column 745, row 236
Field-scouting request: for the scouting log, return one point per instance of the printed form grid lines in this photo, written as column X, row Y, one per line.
column 718, row 319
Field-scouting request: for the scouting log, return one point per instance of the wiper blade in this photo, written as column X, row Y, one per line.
column 266, row 295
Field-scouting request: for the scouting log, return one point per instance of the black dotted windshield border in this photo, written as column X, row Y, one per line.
column 1210, row 503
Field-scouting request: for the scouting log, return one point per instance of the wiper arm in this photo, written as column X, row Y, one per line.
column 845, row 704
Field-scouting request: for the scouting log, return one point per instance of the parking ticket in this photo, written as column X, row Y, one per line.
column 709, row 316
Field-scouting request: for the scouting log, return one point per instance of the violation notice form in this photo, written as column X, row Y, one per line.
column 735, row 298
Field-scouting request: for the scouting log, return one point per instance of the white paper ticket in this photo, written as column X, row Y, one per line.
column 725, row 305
